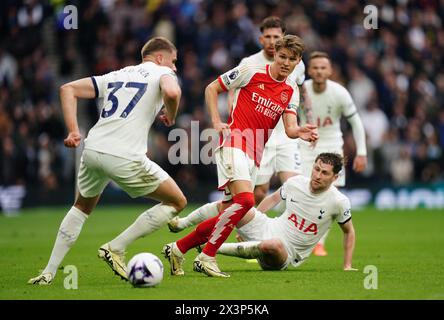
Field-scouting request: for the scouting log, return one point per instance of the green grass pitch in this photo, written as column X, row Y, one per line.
column 405, row 246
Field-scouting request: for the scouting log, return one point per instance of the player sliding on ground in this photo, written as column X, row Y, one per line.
column 116, row 147
column 265, row 93
column 311, row 206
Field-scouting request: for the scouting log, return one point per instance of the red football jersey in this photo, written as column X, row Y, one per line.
column 258, row 105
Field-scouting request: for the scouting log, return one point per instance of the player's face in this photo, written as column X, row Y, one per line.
column 268, row 40
column 169, row 59
column 285, row 61
column 322, row 176
column 319, row 70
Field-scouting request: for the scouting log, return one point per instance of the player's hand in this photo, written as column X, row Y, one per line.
column 313, row 143
column 167, row 122
column 360, row 163
column 222, row 127
column 350, row 268
column 73, row 140
column 309, row 133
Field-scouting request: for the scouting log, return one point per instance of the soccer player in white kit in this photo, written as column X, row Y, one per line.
column 311, row 206
column 116, row 148
column 330, row 102
column 281, row 154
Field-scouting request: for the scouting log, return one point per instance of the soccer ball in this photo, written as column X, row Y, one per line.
column 145, row 270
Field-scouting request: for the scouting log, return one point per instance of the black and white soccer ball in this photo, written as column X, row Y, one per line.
column 145, row 270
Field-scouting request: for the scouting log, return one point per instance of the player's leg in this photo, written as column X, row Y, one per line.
column 172, row 201
column 198, row 215
column 91, row 183
column 243, row 200
column 261, row 191
column 67, row 235
column 271, row 253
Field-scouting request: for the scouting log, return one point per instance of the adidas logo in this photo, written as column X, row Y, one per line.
column 261, row 86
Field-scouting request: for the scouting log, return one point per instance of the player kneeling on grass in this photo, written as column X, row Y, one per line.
column 311, row 206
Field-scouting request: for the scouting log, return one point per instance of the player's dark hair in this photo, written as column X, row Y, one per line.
column 273, row 22
column 333, row 159
column 319, row 54
column 157, row 44
column 292, row 43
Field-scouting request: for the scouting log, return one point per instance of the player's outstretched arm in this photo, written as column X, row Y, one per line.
column 171, row 94
column 349, row 244
column 211, row 93
column 308, row 132
column 69, row 93
column 270, row 201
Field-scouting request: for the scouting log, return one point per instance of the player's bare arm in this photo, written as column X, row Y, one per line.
column 211, row 93
column 171, row 93
column 270, row 201
column 306, row 103
column 307, row 107
column 69, row 93
column 293, row 130
column 349, row 244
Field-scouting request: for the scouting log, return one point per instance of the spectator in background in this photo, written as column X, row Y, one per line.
column 402, row 59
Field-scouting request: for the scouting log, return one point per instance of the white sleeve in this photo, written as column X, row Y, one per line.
column 358, row 134
column 351, row 114
column 236, row 78
column 101, row 83
column 344, row 209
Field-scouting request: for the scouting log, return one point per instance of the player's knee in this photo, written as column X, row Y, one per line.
column 259, row 194
column 180, row 203
column 272, row 246
column 245, row 199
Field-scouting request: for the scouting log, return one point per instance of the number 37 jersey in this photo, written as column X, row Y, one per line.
column 130, row 99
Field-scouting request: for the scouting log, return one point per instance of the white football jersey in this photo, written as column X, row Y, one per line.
column 308, row 216
column 298, row 76
column 130, row 99
column 328, row 108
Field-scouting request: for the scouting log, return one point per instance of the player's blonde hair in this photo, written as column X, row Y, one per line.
column 157, row 44
column 292, row 43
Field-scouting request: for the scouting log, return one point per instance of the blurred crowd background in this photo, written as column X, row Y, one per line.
column 395, row 74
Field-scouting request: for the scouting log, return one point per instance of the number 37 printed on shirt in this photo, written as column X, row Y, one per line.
column 141, row 88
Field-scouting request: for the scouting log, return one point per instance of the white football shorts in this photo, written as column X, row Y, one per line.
column 233, row 164
column 283, row 157
column 136, row 178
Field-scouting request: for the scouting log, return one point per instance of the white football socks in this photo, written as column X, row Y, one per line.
column 148, row 222
column 67, row 235
column 247, row 250
column 203, row 213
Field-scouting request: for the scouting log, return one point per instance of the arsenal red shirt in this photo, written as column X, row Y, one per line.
column 258, row 105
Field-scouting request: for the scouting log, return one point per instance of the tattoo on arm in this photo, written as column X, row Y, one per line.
column 306, row 104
